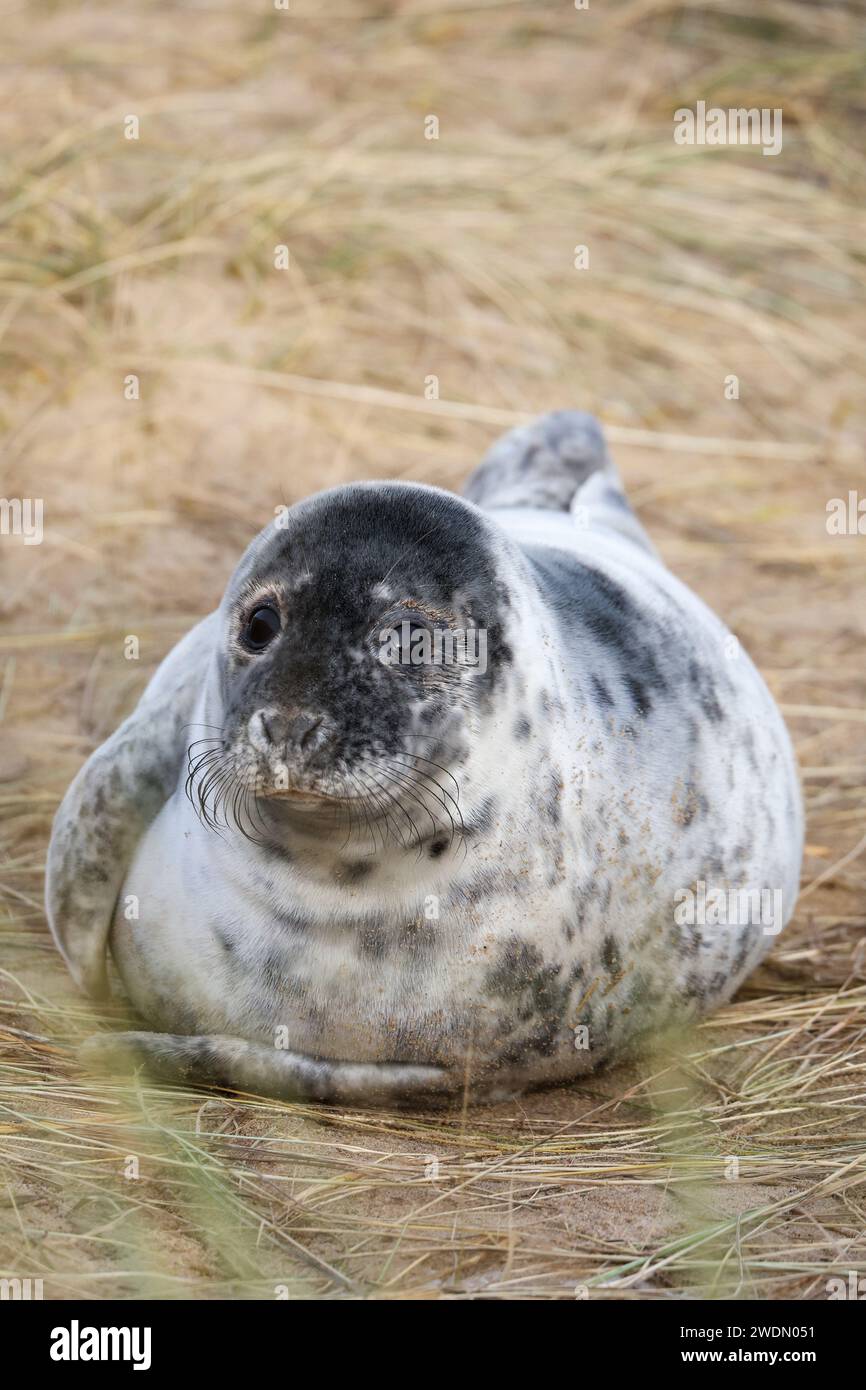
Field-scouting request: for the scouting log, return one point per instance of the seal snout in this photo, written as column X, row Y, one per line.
column 295, row 733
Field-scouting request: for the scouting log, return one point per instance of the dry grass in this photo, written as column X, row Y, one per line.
column 412, row 258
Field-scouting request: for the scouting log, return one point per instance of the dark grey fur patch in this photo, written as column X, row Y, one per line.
column 372, row 941
column 480, row 821
column 704, row 684
column 354, row 872
column 538, row 993
column 602, row 694
column 610, row 956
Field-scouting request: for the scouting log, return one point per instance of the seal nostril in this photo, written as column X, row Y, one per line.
column 268, row 728
column 303, row 730
column 308, row 735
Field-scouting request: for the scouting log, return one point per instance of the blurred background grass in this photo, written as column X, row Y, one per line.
column 412, row 258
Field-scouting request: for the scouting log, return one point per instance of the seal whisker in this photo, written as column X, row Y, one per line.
column 454, row 833
column 385, row 798
column 367, row 793
column 349, row 815
column 219, row 780
column 461, row 834
column 419, row 839
column 395, row 801
column 392, row 800
column 209, row 760
column 263, row 825
column 428, row 776
column 211, row 778
column 405, row 781
column 421, row 758
column 198, row 741
column 197, row 759
column 246, row 811
column 362, row 801
column 252, row 810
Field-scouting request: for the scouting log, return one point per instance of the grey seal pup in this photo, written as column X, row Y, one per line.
column 451, row 795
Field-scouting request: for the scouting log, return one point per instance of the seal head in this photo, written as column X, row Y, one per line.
column 363, row 638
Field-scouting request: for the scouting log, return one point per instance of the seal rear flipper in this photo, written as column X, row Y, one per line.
column 111, row 802
column 558, row 464
column 259, row 1069
column 542, row 465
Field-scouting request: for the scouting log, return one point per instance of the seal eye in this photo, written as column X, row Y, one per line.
column 409, row 641
column 416, row 642
column 262, row 627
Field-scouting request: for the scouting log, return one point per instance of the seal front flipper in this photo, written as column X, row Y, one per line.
column 115, row 796
column 259, row 1069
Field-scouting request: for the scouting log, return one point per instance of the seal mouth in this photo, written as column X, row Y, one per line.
column 299, row 796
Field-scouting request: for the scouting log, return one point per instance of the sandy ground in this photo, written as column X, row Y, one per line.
column 735, row 1167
